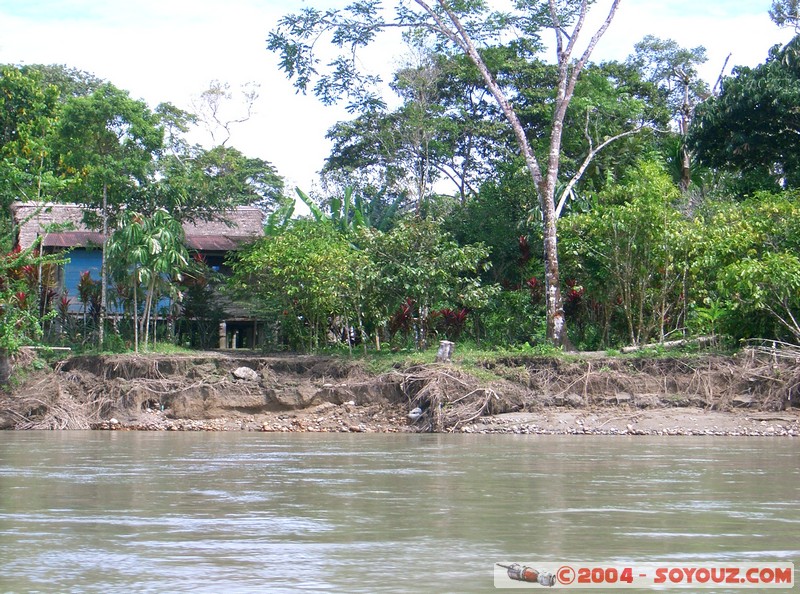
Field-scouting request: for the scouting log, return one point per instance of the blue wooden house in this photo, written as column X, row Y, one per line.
column 61, row 227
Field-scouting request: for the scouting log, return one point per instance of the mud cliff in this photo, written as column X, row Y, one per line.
column 227, row 390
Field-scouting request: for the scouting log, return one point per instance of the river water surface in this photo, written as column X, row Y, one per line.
column 261, row 512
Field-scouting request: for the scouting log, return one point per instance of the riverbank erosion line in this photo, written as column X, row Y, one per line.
column 745, row 394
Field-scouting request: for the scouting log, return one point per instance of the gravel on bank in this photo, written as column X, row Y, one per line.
column 350, row 418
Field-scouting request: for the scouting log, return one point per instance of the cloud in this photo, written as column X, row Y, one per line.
column 739, row 28
column 169, row 50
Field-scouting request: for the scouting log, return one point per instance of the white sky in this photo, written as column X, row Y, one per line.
column 170, row 50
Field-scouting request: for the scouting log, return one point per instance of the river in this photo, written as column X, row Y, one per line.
column 263, row 512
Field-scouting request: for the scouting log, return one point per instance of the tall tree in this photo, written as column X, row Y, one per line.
column 752, row 126
column 462, row 27
column 197, row 183
column 674, row 69
column 223, row 177
column 401, row 150
column 448, row 127
column 70, row 82
column 786, row 13
column 109, row 141
column 28, row 112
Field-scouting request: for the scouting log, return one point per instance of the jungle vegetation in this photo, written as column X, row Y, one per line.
column 489, row 192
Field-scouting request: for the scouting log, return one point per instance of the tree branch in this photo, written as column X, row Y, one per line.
column 576, row 70
column 465, row 43
column 587, row 161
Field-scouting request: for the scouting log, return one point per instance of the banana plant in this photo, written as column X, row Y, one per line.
column 279, row 221
column 346, row 213
column 316, row 211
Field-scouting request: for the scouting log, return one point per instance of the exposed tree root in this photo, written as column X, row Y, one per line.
column 48, row 406
column 448, row 398
column 84, row 391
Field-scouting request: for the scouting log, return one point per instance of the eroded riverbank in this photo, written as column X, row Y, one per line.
column 227, row 391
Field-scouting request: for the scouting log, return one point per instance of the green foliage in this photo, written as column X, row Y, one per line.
column 24, row 306
column 751, row 127
column 280, row 219
column 460, row 29
column 346, row 213
column 67, row 135
column 628, row 257
column 314, row 278
column 770, row 283
column 611, row 100
column 316, row 211
column 108, row 140
column 710, row 316
column 785, row 13
column 352, row 211
column 496, row 218
column 200, row 310
column 420, row 264
column 28, row 112
column 108, row 143
column 196, row 183
column 674, row 70
column 511, row 318
column 301, row 277
column 148, row 250
column 636, row 269
column 70, row 82
column 745, row 265
column 444, row 131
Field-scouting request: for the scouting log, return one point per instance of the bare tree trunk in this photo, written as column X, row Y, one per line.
column 148, row 306
column 103, row 272
column 135, row 309
column 686, row 169
column 5, row 367
column 556, row 320
column 686, row 114
column 569, row 69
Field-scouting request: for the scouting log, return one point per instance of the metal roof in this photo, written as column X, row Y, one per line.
column 215, row 243
column 226, row 231
column 67, row 239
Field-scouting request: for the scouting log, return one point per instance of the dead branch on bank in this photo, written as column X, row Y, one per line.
column 447, row 398
column 772, row 368
column 48, row 406
column 699, row 341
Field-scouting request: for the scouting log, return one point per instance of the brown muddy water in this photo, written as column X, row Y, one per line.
column 258, row 512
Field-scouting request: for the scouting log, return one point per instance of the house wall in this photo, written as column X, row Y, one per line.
column 79, row 261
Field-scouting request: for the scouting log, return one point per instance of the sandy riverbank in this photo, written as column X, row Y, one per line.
column 555, row 421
